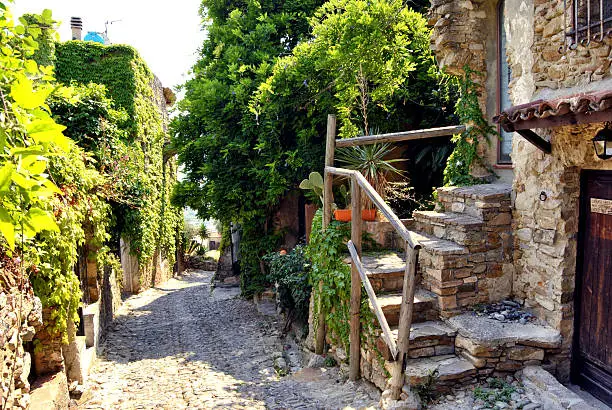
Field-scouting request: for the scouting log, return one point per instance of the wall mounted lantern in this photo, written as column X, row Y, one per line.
column 603, row 142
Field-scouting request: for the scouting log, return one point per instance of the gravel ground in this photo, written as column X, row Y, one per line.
column 182, row 345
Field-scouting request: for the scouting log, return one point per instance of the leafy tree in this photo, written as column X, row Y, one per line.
column 252, row 123
column 237, row 170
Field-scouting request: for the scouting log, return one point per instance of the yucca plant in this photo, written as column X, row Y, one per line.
column 370, row 161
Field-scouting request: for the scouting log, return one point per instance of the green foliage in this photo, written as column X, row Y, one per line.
column 119, row 119
column 426, row 390
column 45, row 53
column 368, row 61
column 325, row 252
column 329, row 362
column 237, row 168
column 81, row 212
column 370, row 161
column 313, row 187
column 48, row 188
column 253, row 119
column 28, row 136
column 290, row 272
column 466, row 153
column 497, row 390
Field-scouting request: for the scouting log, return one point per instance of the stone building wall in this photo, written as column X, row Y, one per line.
column 465, row 33
column 554, row 70
column 15, row 364
column 546, row 225
column 545, row 230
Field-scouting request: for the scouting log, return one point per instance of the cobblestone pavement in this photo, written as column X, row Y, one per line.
column 181, row 346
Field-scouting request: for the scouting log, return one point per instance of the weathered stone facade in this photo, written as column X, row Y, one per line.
column 20, row 315
column 546, row 187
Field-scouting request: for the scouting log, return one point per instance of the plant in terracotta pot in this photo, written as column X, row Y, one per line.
column 344, row 214
column 370, row 161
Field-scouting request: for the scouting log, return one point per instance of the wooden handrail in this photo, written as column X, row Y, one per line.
column 382, row 206
column 382, row 320
column 401, row 136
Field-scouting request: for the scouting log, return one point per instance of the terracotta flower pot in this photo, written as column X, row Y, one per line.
column 344, row 215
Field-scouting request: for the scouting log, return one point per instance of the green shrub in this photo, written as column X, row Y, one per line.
column 290, row 272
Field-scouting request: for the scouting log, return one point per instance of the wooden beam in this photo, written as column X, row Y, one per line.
column 380, row 315
column 401, row 136
column 328, row 199
column 536, row 140
column 355, row 323
column 405, row 321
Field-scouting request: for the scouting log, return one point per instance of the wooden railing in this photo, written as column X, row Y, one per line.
column 359, row 275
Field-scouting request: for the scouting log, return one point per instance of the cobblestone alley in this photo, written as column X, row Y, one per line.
column 182, row 346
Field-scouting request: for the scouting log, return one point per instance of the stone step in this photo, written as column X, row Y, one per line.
column 441, row 247
column 385, row 270
column 497, row 347
column 431, row 338
column 447, row 371
column 481, row 201
column 459, row 228
column 424, row 308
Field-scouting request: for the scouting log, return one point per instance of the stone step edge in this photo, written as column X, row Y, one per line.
column 423, row 341
column 459, row 221
column 394, row 299
column 482, row 192
column 439, row 246
column 450, row 368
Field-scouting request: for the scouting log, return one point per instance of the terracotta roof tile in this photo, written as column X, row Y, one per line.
column 583, row 103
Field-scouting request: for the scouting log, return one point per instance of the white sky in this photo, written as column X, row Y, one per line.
column 166, row 34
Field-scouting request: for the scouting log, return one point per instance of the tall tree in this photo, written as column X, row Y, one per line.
column 234, row 172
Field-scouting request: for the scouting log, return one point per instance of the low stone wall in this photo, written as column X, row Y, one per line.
column 20, row 315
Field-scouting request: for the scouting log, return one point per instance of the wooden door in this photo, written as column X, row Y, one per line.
column 592, row 364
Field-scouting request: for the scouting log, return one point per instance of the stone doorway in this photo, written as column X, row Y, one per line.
column 592, row 353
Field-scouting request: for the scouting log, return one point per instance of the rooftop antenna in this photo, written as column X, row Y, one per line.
column 107, row 23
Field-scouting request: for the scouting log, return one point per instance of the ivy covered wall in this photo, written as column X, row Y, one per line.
column 143, row 213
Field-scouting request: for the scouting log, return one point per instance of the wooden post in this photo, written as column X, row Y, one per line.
column 354, row 337
column 405, row 321
column 330, row 147
column 328, row 199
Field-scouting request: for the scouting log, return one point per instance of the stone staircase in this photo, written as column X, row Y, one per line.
column 465, row 260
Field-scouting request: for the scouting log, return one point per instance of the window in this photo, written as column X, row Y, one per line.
column 586, row 21
column 503, row 78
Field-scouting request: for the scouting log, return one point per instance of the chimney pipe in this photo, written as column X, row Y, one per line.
column 77, row 27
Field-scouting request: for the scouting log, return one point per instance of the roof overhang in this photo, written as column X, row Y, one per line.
column 584, row 108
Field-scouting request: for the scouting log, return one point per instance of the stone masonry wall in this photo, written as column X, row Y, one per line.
column 555, row 70
column 15, row 362
column 546, row 231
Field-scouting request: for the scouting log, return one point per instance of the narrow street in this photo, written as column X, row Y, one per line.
column 182, row 346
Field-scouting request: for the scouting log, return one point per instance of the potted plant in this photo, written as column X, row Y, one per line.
column 370, row 161
column 344, row 215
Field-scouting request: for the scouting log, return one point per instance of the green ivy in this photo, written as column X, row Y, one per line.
column 326, row 253
column 459, row 166
column 134, row 149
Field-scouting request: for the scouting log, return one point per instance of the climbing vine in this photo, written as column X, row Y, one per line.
column 466, row 153
column 134, row 151
column 326, row 253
